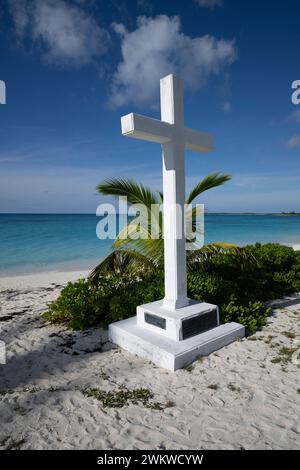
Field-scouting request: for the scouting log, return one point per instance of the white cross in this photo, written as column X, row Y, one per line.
column 174, row 138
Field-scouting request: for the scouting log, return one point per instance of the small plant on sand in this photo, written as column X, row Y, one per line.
column 189, row 368
column 5, row 391
column 284, row 355
column 123, row 397
column 160, row 406
column 119, row 398
column 213, row 386
column 10, row 444
column 277, row 360
column 289, row 334
column 233, row 388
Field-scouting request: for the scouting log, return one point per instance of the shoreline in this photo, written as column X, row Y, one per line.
column 43, row 279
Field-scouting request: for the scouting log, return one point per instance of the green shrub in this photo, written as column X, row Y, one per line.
column 83, row 304
column 270, row 271
column 253, row 316
column 76, row 304
column 210, row 288
column 273, row 257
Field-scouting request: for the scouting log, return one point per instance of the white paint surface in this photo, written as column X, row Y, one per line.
column 171, row 355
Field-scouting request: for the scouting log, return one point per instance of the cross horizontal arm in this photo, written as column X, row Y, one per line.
column 198, row 141
column 161, row 132
column 145, row 128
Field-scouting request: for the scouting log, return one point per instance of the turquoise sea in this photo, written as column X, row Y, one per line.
column 46, row 242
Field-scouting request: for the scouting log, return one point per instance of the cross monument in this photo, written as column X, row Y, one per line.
column 188, row 328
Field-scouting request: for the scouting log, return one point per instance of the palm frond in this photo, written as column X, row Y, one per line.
column 135, row 193
column 121, row 261
column 131, row 232
column 210, row 181
column 161, row 196
column 204, row 255
column 135, row 251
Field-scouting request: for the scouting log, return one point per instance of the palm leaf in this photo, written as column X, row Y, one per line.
column 204, row 255
column 135, row 193
column 210, row 181
column 121, row 261
column 136, row 253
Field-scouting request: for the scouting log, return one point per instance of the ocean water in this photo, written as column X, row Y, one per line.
column 46, row 242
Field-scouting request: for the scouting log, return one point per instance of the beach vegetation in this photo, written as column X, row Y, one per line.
column 124, row 397
column 8, row 443
column 4, row 391
column 253, row 316
column 213, row 386
column 189, row 368
column 284, row 356
column 239, row 285
column 119, row 398
column 289, row 334
column 234, row 388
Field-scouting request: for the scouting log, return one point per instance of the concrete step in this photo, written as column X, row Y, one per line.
column 168, row 353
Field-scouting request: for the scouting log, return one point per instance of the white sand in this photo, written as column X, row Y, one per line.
column 44, row 279
column 255, row 404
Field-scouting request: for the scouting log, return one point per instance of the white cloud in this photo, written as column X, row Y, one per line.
column 210, row 3
column 157, row 48
column 65, row 34
column 227, row 107
column 293, row 142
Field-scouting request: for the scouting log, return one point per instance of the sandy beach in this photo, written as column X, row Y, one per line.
column 245, row 396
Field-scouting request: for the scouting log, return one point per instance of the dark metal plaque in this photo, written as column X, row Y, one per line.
column 195, row 325
column 155, row 320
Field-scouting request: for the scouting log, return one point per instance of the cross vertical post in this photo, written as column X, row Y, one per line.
column 171, row 97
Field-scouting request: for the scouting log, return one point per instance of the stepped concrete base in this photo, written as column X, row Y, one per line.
column 167, row 353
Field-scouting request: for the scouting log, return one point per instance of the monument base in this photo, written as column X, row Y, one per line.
column 167, row 353
column 180, row 324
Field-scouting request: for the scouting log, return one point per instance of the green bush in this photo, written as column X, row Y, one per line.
column 253, row 316
column 210, row 288
column 273, row 257
column 239, row 288
column 83, row 304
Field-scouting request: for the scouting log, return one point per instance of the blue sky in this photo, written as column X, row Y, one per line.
column 72, row 68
